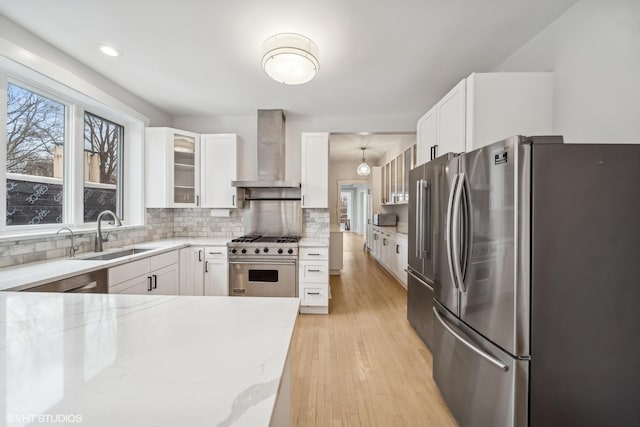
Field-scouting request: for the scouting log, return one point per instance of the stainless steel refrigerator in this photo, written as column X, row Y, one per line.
column 537, row 284
column 427, row 190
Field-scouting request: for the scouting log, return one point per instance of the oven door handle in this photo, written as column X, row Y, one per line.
column 264, row 262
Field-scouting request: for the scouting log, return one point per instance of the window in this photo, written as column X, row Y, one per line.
column 35, row 158
column 63, row 157
column 102, row 166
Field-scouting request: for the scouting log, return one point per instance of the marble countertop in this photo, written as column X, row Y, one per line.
column 116, row 360
column 315, row 242
column 29, row 275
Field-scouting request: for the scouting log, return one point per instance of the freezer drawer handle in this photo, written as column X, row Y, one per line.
column 419, row 279
column 494, row 361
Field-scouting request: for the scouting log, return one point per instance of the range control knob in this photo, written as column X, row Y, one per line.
column 257, row 251
column 265, row 250
column 290, row 251
column 244, row 251
column 233, row 251
column 280, row 251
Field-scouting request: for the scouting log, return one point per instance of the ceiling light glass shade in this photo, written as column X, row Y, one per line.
column 290, row 58
column 363, row 169
column 109, row 50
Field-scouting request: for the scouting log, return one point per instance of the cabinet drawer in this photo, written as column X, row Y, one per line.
column 314, row 253
column 128, row 271
column 215, row 252
column 160, row 261
column 316, row 272
column 315, row 296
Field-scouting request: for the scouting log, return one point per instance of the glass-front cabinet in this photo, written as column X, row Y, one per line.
column 395, row 177
column 184, row 169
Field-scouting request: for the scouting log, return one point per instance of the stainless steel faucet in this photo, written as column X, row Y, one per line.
column 73, row 249
column 98, row 247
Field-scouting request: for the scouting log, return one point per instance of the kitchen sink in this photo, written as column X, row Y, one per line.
column 118, row 254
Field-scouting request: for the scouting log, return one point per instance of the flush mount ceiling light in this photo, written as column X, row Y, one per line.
column 363, row 168
column 109, row 50
column 290, row 58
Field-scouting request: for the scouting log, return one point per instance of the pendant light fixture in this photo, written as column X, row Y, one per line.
column 363, row 168
column 290, row 58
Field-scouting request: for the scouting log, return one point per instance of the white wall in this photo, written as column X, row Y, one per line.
column 26, row 49
column 246, row 128
column 594, row 51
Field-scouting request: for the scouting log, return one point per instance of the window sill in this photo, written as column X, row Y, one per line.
column 24, row 235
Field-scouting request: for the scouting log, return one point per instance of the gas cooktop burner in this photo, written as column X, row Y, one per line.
column 247, row 239
column 266, row 239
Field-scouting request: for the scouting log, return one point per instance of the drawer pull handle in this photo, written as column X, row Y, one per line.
column 314, row 254
column 313, row 271
column 313, row 293
column 215, row 253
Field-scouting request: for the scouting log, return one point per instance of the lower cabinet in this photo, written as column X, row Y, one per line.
column 157, row 275
column 204, row 271
column 391, row 251
column 313, row 280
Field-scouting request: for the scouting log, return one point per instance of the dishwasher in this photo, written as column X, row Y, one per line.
column 94, row 282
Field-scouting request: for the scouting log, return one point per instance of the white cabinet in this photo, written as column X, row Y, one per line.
column 154, row 275
column 172, row 168
column 391, row 251
column 185, row 169
column 192, row 271
column 485, row 108
column 216, row 271
column 314, row 170
column 451, row 121
column 313, row 280
column 427, row 135
column 500, row 105
column 204, row 271
column 219, row 165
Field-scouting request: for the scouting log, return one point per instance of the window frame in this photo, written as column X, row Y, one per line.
column 131, row 185
column 120, row 212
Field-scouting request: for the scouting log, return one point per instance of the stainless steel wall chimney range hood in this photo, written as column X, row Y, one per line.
column 271, row 153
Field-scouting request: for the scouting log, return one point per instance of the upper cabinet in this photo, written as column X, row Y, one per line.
column 172, row 168
column 394, row 180
column 219, row 154
column 485, row 108
column 185, row 169
column 314, row 170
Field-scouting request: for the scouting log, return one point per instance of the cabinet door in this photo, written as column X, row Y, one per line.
column 192, row 271
column 185, row 165
column 400, row 183
column 141, row 285
column 405, row 177
column 216, row 282
column 172, row 168
column 219, row 166
column 451, row 121
column 314, row 170
column 165, row 280
column 427, row 135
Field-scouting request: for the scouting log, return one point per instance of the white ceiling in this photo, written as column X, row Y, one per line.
column 346, row 147
column 203, row 57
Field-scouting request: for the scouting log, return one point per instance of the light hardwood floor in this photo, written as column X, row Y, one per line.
column 363, row 365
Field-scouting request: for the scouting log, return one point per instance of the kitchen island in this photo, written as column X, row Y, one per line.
column 133, row 360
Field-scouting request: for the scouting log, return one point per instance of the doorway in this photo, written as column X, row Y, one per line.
column 353, row 207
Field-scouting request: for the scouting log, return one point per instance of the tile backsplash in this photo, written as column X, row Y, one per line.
column 160, row 224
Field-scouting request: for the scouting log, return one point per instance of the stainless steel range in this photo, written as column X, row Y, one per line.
column 263, row 266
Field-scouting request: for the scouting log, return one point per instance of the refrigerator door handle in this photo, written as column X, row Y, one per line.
column 455, row 233
column 419, row 221
column 412, row 274
column 427, row 228
column 488, row 357
column 448, row 230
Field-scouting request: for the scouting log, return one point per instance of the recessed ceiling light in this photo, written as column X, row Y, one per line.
column 109, row 50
